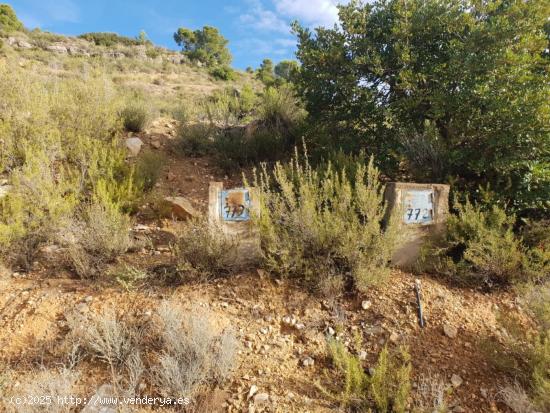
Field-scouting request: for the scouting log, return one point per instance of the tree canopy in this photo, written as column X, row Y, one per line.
column 206, row 45
column 8, row 19
column 266, row 72
column 287, row 69
column 454, row 90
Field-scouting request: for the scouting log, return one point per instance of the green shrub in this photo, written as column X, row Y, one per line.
column 223, row 73
column 479, row 246
column 8, row 19
column 387, row 390
column 111, row 39
column 316, row 226
column 59, row 149
column 195, row 139
column 129, row 276
column 148, row 170
column 40, row 202
column 136, row 116
column 279, row 107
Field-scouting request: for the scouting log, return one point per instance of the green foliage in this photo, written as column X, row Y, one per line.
column 142, row 38
column 148, row 170
column 112, row 39
column 387, row 390
column 195, row 139
column 223, row 73
column 287, row 70
column 36, row 209
column 318, row 226
column 206, row 45
column 59, row 149
column 468, row 79
column 266, row 73
column 129, row 277
column 8, row 19
column 136, row 116
column 280, row 108
column 479, row 246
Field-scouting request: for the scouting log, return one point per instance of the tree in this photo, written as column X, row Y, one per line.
column 206, row 45
column 142, row 37
column 8, row 19
column 265, row 73
column 287, row 69
column 462, row 83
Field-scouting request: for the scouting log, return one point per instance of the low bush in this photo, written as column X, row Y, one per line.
column 223, row 73
column 203, row 250
column 148, row 170
column 107, row 336
column 129, row 276
column 387, row 389
column 111, row 39
column 59, row 150
column 43, row 385
column 35, row 209
column 97, row 236
column 193, row 354
column 196, row 139
column 524, row 355
column 479, row 246
column 318, row 225
column 279, row 108
column 136, row 116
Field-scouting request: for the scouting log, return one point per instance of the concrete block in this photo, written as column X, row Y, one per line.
column 235, row 211
column 423, row 209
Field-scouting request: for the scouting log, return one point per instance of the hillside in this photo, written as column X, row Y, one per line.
column 278, row 326
column 113, row 283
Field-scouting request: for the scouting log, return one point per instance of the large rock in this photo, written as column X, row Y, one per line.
column 57, row 48
column 4, row 190
column 134, row 146
column 19, row 43
column 178, row 207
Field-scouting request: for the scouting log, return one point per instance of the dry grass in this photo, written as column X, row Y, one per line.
column 515, row 397
column 45, row 386
column 193, row 354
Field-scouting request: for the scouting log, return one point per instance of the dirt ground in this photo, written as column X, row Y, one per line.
column 257, row 306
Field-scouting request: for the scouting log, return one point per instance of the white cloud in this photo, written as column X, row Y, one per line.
column 311, row 12
column 258, row 17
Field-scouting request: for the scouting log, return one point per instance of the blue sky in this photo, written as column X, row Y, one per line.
column 256, row 29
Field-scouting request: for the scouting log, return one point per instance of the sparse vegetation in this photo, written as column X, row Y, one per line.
column 112, row 39
column 44, row 385
column 387, row 389
column 204, row 251
column 96, row 237
column 194, row 354
column 403, row 91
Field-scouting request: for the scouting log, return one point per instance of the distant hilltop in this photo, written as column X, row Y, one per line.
column 107, row 45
